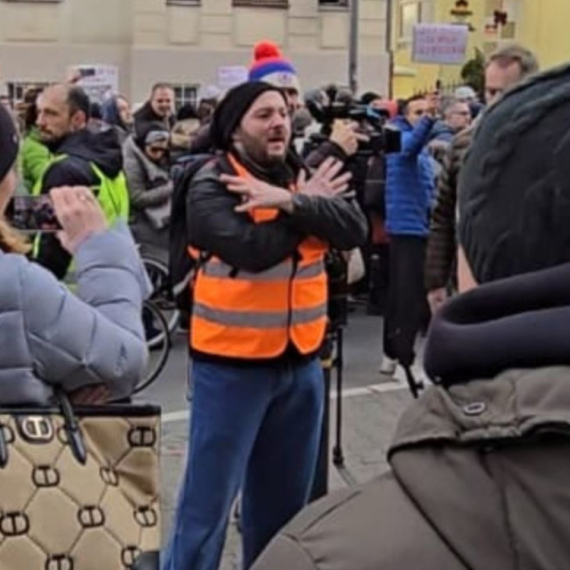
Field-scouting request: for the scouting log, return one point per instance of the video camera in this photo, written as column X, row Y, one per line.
column 381, row 137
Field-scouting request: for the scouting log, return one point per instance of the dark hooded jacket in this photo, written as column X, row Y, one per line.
column 112, row 117
column 81, row 150
column 146, row 115
column 480, row 463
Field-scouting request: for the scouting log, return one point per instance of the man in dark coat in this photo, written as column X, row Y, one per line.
column 158, row 109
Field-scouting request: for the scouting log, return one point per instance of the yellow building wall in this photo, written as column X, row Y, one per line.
column 541, row 25
column 544, row 29
column 426, row 76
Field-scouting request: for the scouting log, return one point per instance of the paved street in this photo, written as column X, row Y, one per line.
column 372, row 405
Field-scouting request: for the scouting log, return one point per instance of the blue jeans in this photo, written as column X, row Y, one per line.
column 254, row 429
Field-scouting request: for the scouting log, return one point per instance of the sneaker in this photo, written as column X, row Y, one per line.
column 388, row 366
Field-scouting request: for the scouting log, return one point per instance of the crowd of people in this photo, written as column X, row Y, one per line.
column 470, row 192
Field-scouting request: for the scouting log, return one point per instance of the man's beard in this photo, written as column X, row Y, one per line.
column 258, row 153
column 52, row 141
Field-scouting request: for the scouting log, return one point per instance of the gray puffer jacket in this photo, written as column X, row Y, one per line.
column 50, row 336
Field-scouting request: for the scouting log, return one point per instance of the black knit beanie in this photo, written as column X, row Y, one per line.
column 514, row 188
column 232, row 109
column 9, row 144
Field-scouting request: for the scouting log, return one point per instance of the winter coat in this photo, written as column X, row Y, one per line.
column 35, row 157
column 81, row 150
column 50, row 336
column 146, row 115
column 480, row 463
column 149, row 187
column 215, row 227
column 442, row 132
column 442, row 244
column 410, row 181
column 183, row 135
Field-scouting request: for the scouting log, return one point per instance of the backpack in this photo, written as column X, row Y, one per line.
column 182, row 266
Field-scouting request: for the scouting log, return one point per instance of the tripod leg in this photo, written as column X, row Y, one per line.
column 415, row 386
column 338, row 456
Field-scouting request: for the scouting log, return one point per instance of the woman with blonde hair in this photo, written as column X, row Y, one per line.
column 90, row 344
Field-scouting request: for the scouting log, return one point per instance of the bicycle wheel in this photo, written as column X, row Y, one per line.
column 158, row 342
column 162, row 291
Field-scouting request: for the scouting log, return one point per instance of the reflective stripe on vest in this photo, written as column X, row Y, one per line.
column 284, row 270
column 239, row 314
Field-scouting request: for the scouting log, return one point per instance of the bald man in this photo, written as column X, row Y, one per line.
column 79, row 158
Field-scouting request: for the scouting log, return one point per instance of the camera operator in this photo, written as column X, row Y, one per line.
column 342, row 144
column 361, row 129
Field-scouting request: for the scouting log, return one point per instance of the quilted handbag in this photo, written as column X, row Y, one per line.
column 79, row 488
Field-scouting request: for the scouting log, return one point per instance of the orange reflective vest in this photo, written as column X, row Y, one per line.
column 253, row 316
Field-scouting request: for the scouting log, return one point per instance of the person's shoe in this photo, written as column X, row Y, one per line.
column 388, row 366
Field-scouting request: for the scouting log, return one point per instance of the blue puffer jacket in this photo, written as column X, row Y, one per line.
column 49, row 335
column 410, row 181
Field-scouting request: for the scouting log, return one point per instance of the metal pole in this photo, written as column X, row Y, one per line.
column 353, row 48
column 389, row 48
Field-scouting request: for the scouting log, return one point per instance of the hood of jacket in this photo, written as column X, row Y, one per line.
column 502, row 356
column 132, row 152
column 442, row 131
column 401, row 123
column 102, row 149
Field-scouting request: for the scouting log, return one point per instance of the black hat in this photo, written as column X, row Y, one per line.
column 368, row 97
column 514, row 188
column 232, row 109
column 9, row 144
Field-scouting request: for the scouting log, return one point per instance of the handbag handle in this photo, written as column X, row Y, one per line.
column 71, row 426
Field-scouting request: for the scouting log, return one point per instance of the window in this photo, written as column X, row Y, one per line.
column 262, row 3
column 35, row 1
column 185, row 94
column 334, row 3
column 501, row 18
column 409, row 15
column 183, row 2
column 17, row 90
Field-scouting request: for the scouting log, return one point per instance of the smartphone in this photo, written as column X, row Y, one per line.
column 32, row 214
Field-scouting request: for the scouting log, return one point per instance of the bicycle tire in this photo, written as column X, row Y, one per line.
column 162, row 359
column 162, row 294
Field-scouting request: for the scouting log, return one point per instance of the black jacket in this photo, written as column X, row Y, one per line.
column 215, row 227
column 81, row 149
column 147, row 115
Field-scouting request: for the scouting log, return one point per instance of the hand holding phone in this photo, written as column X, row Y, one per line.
column 79, row 213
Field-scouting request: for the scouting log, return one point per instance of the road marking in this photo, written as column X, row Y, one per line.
column 392, row 386
column 173, row 417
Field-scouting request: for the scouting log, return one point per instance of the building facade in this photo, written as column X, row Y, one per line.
column 186, row 42
column 540, row 25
